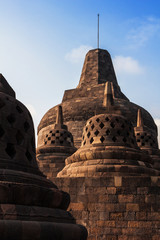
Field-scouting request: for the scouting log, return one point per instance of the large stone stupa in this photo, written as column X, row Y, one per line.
column 113, row 178
column 31, row 207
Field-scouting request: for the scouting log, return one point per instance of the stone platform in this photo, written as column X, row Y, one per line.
column 117, row 208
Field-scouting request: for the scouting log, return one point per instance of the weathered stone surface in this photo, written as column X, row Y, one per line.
column 31, row 207
column 57, row 146
column 108, row 147
column 86, row 100
column 122, row 212
column 113, row 177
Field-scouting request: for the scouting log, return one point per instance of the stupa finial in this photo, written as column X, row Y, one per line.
column 139, row 119
column 59, row 118
column 108, row 95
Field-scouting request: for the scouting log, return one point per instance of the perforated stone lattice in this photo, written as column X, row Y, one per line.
column 59, row 137
column 146, row 140
column 15, row 122
column 109, row 130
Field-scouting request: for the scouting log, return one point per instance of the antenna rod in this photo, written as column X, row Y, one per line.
column 98, row 33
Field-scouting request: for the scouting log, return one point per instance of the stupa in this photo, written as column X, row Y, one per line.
column 108, row 147
column 58, row 145
column 97, row 70
column 113, row 179
column 32, row 207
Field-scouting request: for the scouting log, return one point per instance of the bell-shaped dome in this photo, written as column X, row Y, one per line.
column 17, row 141
column 108, row 147
column 59, row 135
column 27, row 196
column 57, row 146
column 147, row 140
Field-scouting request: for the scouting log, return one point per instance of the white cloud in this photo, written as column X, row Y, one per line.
column 142, row 33
column 127, row 65
column 157, row 121
column 77, row 55
column 32, row 110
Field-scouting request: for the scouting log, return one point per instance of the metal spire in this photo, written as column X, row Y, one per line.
column 98, row 33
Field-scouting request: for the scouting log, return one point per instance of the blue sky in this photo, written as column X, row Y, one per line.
column 43, row 44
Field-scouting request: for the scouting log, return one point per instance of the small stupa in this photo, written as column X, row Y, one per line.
column 147, row 140
column 108, row 147
column 58, row 145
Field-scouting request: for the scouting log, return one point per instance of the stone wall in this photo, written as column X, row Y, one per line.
column 115, row 208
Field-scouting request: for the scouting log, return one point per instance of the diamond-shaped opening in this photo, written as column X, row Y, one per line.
column 49, row 138
column 101, row 125
column 118, row 132
column 102, row 139
column 45, row 142
column 11, row 118
column 114, row 139
column 96, row 132
column 57, row 131
column 19, row 138
column 112, row 124
column 2, row 103
column 90, row 121
column 10, row 150
column 92, row 126
column 26, row 126
column 107, row 132
column 83, row 137
column 91, row 140
column 107, row 119
column 29, row 156
column 1, row 131
column 84, row 143
column 53, row 134
column 50, row 132
column 19, row 109
column 97, row 120
column 142, row 137
column 57, row 137
column 138, row 134
column 86, row 129
column 61, row 134
column 138, row 140
column 52, row 142
column 88, row 134
column 61, row 142
column 122, row 126
column 124, row 140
